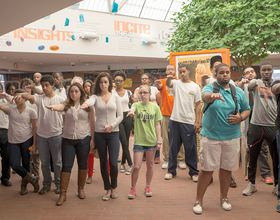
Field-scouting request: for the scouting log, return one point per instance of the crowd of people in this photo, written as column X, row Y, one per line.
column 52, row 120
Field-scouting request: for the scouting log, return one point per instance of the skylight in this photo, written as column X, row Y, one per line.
column 161, row 10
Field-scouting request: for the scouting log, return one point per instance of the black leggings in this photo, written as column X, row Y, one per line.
column 125, row 128
column 71, row 147
column 105, row 142
column 256, row 134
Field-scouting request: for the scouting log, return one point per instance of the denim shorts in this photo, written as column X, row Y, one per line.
column 140, row 148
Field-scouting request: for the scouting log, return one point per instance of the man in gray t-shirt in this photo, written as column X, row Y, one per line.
column 262, row 125
column 249, row 75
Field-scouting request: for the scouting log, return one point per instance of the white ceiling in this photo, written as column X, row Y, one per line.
column 48, row 60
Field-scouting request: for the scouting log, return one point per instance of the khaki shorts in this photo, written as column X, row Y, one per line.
column 216, row 154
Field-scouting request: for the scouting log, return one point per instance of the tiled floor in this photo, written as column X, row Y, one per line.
column 173, row 199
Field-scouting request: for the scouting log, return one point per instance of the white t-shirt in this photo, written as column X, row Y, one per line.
column 39, row 87
column 106, row 114
column 77, row 124
column 61, row 92
column 154, row 92
column 33, row 106
column 124, row 100
column 4, row 119
column 185, row 96
column 20, row 127
column 49, row 122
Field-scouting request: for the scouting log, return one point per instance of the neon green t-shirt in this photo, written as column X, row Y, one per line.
column 146, row 117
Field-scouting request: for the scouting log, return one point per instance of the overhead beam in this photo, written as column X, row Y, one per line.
column 109, row 6
column 142, row 8
column 122, row 4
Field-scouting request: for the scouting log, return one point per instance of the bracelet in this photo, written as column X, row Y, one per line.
column 159, row 143
column 241, row 117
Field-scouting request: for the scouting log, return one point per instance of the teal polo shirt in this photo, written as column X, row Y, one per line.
column 214, row 123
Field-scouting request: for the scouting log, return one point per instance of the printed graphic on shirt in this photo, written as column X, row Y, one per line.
column 265, row 93
column 145, row 116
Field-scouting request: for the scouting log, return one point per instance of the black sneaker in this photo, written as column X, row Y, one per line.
column 232, row 183
column 6, row 183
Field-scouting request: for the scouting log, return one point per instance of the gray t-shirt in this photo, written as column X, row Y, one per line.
column 265, row 107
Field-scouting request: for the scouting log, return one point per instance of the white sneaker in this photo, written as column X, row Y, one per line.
column 197, row 208
column 195, row 178
column 226, row 205
column 129, row 171
column 122, row 168
column 168, row 176
column 250, row 189
column 275, row 190
column 182, row 165
column 164, row 165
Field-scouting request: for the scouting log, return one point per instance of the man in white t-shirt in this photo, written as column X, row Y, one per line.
column 36, row 79
column 59, row 89
column 184, row 122
column 49, row 131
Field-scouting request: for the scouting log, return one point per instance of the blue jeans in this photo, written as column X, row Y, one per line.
column 278, row 151
column 108, row 142
column 19, row 153
column 50, row 147
column 72, row 147
column 179, row 133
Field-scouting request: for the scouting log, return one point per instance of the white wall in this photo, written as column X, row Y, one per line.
column 53, row 32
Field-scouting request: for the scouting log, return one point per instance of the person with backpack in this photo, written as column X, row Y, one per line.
column 205, row 80
column 224, row 109
column 126, row 125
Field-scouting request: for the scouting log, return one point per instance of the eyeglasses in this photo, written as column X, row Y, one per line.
column 143, row 93
column 118, row 81
column 145, row 78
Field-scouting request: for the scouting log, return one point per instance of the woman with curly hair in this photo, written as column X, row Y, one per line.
column 11, row 87
column 126, row 124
